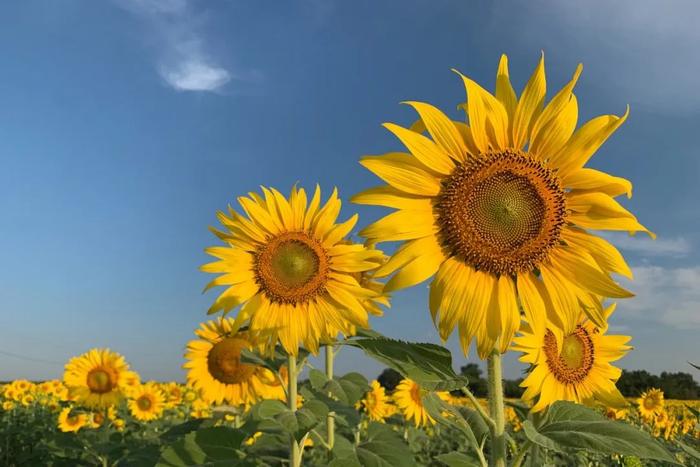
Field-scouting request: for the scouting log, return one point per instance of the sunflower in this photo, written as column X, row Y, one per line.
column 499, row 211
column 572, row 363
column 651, row 403
column 288, row 266
column 215, row 368
column 97, row 378
column 68, row 422
column 147, row 402
column 408, row 396
column 375, row 403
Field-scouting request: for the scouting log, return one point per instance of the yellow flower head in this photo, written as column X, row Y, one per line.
column 572, row 363
column 215, row 368
column 288, row 266
column 408, row 397
column 376, row 403
column 147, row 402
column 499, row 210
column 651, row 403
column 98, row 378
column 68, row 422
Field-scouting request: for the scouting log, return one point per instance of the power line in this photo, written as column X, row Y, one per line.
column 31, row 359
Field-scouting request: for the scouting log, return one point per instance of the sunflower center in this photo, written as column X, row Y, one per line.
column 73, row 420
column 100, row 380
column 649, row 403
column 144, row 403
column 415, row 394
column 224, row 361
column 291, row 268
column 501, row 212
column 576, row 359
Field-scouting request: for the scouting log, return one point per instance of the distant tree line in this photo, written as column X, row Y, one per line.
column 631, row 384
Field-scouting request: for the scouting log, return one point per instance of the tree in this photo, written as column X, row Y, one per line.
column 389, row 379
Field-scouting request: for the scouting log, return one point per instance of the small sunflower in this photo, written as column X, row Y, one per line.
column 572, row 363
column 499, row 210
column 376, row 403
column 287, row 264
column 215, row 368
column 408, row 397
column 68, row 422
column 97, row 378
column 147, row 402
column 651, row 403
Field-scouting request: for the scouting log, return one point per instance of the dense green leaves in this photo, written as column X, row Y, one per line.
column 215, row 446
column 572, row 426
column 429, row 365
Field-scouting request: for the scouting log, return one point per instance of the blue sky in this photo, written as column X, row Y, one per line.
column 125, row 125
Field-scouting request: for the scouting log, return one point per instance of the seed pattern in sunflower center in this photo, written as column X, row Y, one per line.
column 501, row 212
column 101, row 380
column 576, row 359
column 144, row 403
column 291, row 268
column 224, row 361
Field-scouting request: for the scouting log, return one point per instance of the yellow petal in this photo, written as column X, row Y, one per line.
column 401, row 225
column 605, row 254
column 508, row 309
column 584, row 272
column 558, row 103
column 487, row 117
column 556, row 132
column 586, row 141
column 587, row 180
column 415, row 272
column 600, row 211
column 408, row 252
column 504, row 90
column 392, row 198
column 529, row 105
column 466, row 134
column 426, row 151
column 529, row 291
column 441, row 129
column 403, row 172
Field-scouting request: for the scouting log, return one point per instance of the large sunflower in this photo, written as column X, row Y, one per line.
column 147, row 402
column 408, row 397
column 215, row 368
column 499, row 210
column 287, row 264
column 98, row 378
column 572, row 363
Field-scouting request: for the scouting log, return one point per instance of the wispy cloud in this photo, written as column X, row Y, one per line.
column 632, row 46
column 184, row 62
column 665, row 295
column 670, row 247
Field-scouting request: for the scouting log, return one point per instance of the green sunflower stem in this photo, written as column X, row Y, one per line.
column 294, row 450
column 496, row 407
column 330, row 421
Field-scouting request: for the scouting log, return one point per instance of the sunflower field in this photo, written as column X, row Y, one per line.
column 499, row 212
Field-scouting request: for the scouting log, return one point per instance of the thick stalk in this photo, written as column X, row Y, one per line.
column 330, row 421
column 498, row 435
column 294, row 450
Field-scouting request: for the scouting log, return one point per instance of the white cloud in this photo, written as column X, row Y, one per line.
column 666, row 295
column 644, row 245
column 643, row 49
column 183, row 63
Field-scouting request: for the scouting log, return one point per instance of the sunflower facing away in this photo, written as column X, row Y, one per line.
column 499, row 210
column 408, row 397
column 98, row 378
column 572, row 363
column 376, row 403
column 651, row 403
column 147, row 402
column 287, row 265
column 215, row 368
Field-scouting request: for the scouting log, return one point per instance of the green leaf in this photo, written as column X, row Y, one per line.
column 436, row 407
column 209, row 446
column 572, row 426
column 317, row 378
column 689, row 450
column 457, row 459
column 429, row 365
column 383, row 447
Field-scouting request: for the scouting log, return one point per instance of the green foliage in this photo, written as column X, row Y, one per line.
column 674, row 385
column 568, row 426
